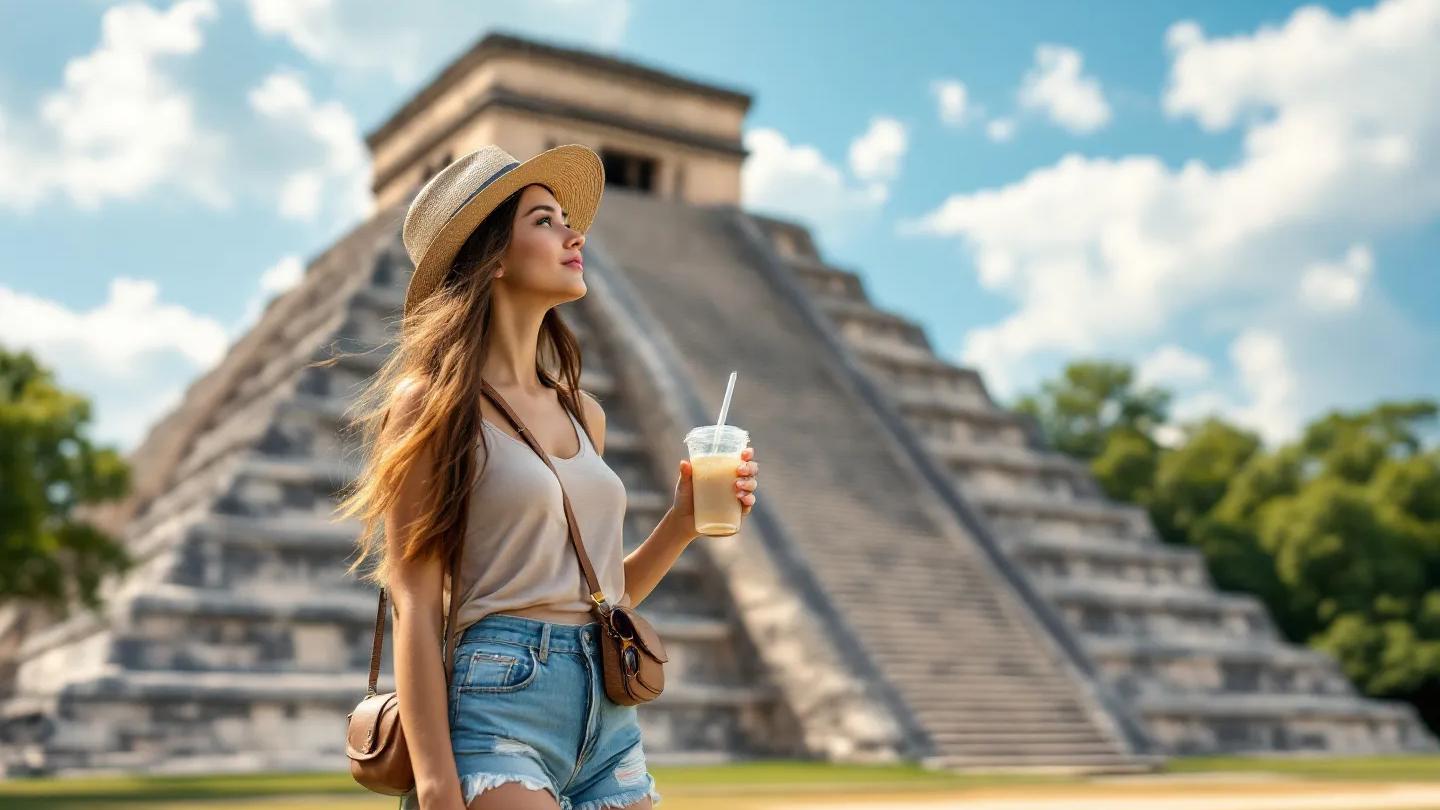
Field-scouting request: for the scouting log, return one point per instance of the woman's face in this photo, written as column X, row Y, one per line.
column 541, row 244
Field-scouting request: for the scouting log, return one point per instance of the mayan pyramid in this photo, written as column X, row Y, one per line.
column 922, row 580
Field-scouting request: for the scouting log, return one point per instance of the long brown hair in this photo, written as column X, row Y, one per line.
column 441, row 344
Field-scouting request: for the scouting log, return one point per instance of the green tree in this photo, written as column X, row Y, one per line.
column 48, row 470
column 1337, row 532
column 1194, row 476
column 1093, row 413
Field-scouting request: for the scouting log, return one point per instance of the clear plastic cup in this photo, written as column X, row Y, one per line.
column 714, row 457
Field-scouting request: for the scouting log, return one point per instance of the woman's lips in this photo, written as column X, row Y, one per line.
column 575, row 264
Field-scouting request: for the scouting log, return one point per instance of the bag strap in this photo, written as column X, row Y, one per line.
column 572, row 524
column 601, row 605
column 449, row 629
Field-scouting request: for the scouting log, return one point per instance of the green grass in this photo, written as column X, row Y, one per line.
column 1394, row 767
column 768, row 778
column 776, row 778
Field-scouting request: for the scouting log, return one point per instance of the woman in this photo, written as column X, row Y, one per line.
column 526, row 723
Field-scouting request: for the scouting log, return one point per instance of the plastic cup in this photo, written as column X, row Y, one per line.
column 714, row 456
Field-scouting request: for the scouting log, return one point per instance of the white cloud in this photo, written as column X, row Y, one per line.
column 1109, row 254
column 116, row 352
column 796, row 180
column 1171, row 365
column 1263, row 365
column 335, row 166
column 405, row 41
column 1000, row 130
column 310, row 25
column 1332, row 286
column 953, row 101
column 275, row 281
column 282, row 276
column 1056, row 86
column 875, row 156
column 123, row 352
column 120, row 126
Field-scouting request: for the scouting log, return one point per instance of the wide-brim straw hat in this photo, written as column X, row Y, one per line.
column 450, row 205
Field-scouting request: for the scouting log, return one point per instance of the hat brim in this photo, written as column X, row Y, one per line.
column 572, row 172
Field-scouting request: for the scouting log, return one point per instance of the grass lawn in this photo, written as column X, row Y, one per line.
column 1397, row 767
column 748, row 786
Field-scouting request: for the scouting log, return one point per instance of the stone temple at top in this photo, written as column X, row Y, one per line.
column 923, row 579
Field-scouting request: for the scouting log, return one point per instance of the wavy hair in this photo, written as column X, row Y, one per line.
column 441, row 344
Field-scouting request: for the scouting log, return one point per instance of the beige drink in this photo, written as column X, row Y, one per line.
column 714, row 458
column 717, row 502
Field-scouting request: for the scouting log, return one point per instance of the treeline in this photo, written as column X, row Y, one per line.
column 1338, row 531
column 49, row 472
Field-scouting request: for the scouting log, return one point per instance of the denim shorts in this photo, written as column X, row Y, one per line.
column 528, row 705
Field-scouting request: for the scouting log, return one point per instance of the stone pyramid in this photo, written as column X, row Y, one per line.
column 923, row 579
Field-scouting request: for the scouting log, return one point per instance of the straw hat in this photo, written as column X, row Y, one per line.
column 449, row 207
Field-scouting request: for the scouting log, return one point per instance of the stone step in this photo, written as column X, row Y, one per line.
column 979, row 657
column 974, row 633
column 1151, row 597
column 1023, row 747
column 997, row 688
column 240, row 552
column 175, row 627
column 903, row 615
column 964, row 633
column 963, row 707
column 929, row 664
column 1272, row 652
column 997, row 725
column 1118, row 549
column 288, row 604
column 1043, row 762
column 328, row 688
column 981, row 649
column 1270, row 705
column 1070, row 734
column 977, row 660
column 846, row 588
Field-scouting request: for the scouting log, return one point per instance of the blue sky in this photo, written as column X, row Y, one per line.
column 1241, row 199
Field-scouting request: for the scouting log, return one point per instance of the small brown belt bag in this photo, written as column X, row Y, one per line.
column 631, row 654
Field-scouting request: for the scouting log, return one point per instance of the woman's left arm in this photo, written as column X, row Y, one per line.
column 648, row 564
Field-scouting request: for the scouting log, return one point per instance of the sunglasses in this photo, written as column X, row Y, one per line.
column 629, row 659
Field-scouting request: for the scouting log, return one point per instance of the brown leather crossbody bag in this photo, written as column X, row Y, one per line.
column 631, row 654
column 374, row 739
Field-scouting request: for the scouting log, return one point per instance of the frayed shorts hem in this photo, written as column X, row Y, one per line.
column 623, row 799
column 473, row 784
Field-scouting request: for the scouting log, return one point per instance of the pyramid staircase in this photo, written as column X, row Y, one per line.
column 1204, row 671
column 906, row 596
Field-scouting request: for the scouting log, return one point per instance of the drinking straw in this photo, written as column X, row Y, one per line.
column 724, row 409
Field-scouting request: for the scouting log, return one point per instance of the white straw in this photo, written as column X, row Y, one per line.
column 724, row 409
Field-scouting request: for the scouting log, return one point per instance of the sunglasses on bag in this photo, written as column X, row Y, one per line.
column 630, row 659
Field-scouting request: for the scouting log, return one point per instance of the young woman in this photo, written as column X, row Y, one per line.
column 526, row 723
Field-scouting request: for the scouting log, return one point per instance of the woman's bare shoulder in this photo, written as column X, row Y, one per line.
column 595, row 415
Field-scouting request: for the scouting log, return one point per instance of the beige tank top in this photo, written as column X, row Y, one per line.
column 517, row 551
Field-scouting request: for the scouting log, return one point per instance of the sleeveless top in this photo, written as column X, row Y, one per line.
column 517, row 551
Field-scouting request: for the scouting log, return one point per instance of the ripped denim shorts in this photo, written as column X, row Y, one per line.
column 528, row 705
